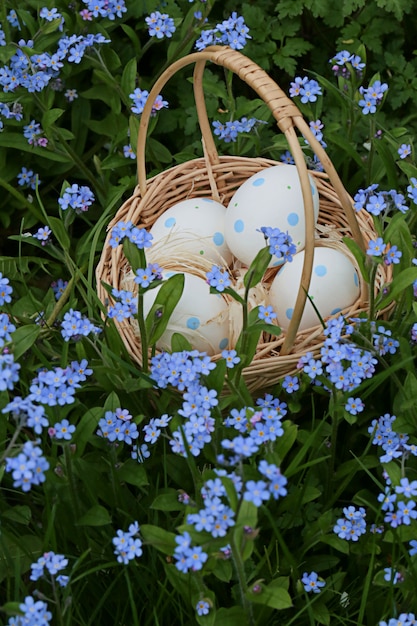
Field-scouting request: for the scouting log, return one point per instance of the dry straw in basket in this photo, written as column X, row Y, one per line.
column 218, row 177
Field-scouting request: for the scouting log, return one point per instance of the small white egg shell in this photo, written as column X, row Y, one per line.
column 194, row 226
column 202, row 317
column 272, row 197
column 334, row 285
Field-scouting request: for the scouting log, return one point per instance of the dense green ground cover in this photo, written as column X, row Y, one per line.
column 145, row 496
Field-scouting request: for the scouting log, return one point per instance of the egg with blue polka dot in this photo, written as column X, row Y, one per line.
column 194, row 227
column 202, row 317
column 334, row 286
column 272, row 197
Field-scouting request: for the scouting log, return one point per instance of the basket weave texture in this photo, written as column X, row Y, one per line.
column 218, row 177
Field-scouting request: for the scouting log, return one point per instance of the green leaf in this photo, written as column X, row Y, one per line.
column 86, row 427
column 166, row 300
column 257, row 268
column 158, row 151
column 133, row 473
column 167, row 502
column 335, row 542
column 180, row 343
column 273, row 595
column 24, row 338
column 234, row 616
column 159, row 538
column 359, row 255
column 18, row 514
column 403, row 280
column 128, row 80
column 60, row 232
column 134, row 255
column 49, row 117
column 18, row 142
column 321, row 612
column 96, row 516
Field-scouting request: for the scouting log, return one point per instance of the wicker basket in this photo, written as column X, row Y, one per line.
column 218, row 177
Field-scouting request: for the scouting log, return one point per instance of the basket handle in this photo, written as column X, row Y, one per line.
column 288, row 117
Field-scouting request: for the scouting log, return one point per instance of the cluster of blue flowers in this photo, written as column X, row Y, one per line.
column 103, row 8
column 51, row 563
column 343, row 364
column 9, row 372
column 393, row 444
column 32, row 131
column 256, row 426
column 216, row 517
column 188, row 557
column 34, row 72
column 232, row 32
column 6, row 290
column 389, row 254
column 139, row 98
column 353, row 525
column 218, row 278
column 127, row 546
column 75, row 325
column 379, row 203
column 403, row 619
column 118, row 426
column 412, row 190
column 6, row 328
column 28, row 178
column 57, row 387
column 259, row 491
column 229, row 131
column 144, row 277
column 125, row 305
column 139, row 236
column 280, row 244
column 307, row 90
column 33, row 613
column 343, row 62
column 160, row 25
column 78, row 198
column 58, row 287
column 28, row 467
column 399, row 512
column 372, row 96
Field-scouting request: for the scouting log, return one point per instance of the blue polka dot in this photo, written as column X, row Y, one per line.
column 355, row 279
column 293, row 219
column 288, row 313
column 171, row 221
column 193, row 323
column 313, row 190
column 223, row 343
column 239, row 226
column 335, row 311
column 277, row 263
column 218, row 239
column 207, row 199
column 258, row 182
column 320, row 270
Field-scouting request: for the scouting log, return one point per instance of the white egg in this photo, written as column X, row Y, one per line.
column 272, row 197
column 194, row 227
column 202, row 317
column 334, row 285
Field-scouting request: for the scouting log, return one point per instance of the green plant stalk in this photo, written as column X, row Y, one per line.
column 240, row 572
column 372, row 291
column 372, row 150
column 60, row 303
column 71, row 482
column 58, row 609
column 142, row 329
